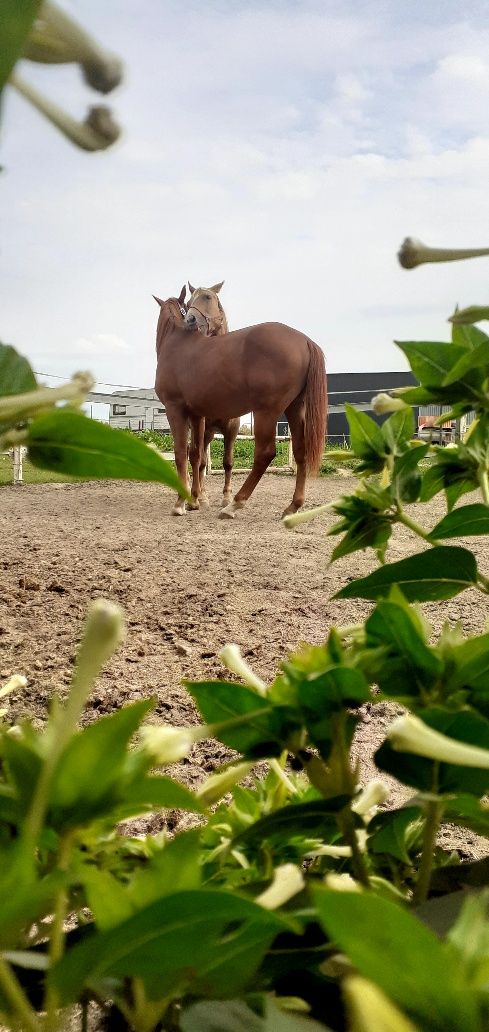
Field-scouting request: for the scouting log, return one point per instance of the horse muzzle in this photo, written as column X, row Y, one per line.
column 195, row 320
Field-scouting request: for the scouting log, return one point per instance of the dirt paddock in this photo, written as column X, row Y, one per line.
column 188, row 586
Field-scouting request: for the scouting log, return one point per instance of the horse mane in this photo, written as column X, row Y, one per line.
column 224, row 328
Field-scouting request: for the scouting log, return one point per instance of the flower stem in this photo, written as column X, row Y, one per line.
column 434, row 811
column 17, row 998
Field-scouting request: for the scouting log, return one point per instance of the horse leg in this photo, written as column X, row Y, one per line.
column 265, row 450
column 296, row 419
column 196, row 451
column 208, row 437
column 179, row 427
column 231, row 431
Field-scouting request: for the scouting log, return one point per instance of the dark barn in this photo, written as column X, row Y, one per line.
column 358, row 389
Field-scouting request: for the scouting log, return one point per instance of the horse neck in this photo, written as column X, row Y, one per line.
column 167, row 324
column 223, row 328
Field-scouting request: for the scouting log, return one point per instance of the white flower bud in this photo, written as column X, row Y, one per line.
column 296, row 518
column 342, row 883
column 97, row 132
column 334, row 851
column 287, row 881
column 370, row 797
column 409, row 734
column 383, row 403
column 413, row 252
column 231, row 656
column 167, row 745
column 13, row 684
column 369, row 1010
column 221, row 782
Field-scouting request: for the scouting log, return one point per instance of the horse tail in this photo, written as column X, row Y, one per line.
column 316, row 409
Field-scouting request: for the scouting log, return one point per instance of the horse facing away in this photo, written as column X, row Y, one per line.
column 210, row 319
column 265, row 369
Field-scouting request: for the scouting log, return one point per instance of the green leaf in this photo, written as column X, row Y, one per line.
column 418, row 771
column 365, row 436
column 467, row 521
column 407, row 665
column 107, row 898
column 264, row 729
column 470, row 937
column 173, row 868
column 468, row 812
column 331, row 691
column 439, row 573
column 416, row 395
column 68, row 442
column 316, row 819
column 236, row 1016
column 89, row 778
column 208, row 941
column 391, row 832
column 220, row 1016
column 470, row 672
column 398, row 429
column 475, row 359
column 16, row 376
column 24, row 897
column 431, row 361
column 155, row 792
column 394, row 950
column 406, row 477
column 467, row 336
column 17, row 18
column 473, row 314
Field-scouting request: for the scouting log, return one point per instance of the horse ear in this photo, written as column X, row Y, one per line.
column 217, row 286
column 182, row 294
column 158, row 300
column 191, row 288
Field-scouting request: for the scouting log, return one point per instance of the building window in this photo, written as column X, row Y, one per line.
column 161, row 411
column 119, row 410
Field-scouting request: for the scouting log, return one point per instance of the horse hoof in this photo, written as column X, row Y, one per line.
column 290, row 510
column 227, row 513
column 178, row 511
column 225, row 501
column 194, row 505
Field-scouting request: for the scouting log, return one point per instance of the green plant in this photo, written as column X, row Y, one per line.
column 297, row 902
column 60, row 437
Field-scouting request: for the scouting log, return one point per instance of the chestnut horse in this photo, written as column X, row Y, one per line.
column 210, row 319
column 265, row 369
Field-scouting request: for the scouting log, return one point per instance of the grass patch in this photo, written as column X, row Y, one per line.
column 31, row 474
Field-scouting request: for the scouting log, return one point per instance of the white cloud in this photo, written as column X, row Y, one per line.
column 285, row 148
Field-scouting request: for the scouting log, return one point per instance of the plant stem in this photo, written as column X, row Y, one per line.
column 17, row 998
column 357, row 859
column 412, row 525
column 57, row 936
column 434, row 811
column 484, row 484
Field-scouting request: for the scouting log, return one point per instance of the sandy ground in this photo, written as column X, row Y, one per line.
column 188, row 586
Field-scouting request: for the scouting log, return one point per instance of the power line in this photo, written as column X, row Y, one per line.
column 102, row 383
column 331, row 394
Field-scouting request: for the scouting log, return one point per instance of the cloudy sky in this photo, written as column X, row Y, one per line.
column 287, row 147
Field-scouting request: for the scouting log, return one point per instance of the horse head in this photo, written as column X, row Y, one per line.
column 205, row 311
column 174, row 307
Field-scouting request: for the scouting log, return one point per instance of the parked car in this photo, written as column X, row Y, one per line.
column 436, row 434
